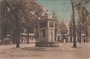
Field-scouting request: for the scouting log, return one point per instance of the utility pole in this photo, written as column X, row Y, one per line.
column 74, row 26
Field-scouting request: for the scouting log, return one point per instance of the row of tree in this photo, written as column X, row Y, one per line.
column 82, row 23
column 17, row 16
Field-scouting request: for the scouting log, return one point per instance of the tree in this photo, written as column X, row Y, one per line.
column 33, row 13
column 63, row 30
column 19, row 15
column 83, row 21
column 10, row 19
column 70, row 30
column 73, row 22
column 73, row 17
column 56, row 23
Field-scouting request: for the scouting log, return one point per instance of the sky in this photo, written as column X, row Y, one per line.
column 62, row 8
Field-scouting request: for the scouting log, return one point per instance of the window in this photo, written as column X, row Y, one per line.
column 43, row 24
column 51, row 24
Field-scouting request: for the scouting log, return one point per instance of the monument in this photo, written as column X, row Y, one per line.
column 46, row 33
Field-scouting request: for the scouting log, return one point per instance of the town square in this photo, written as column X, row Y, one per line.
column 44, row 29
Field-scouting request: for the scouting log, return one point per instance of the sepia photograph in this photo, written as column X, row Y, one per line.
column 44, row 29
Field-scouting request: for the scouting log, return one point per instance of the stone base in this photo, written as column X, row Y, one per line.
column 40, row 44
column 46, row 44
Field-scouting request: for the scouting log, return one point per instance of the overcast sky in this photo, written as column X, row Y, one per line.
column 62, row 8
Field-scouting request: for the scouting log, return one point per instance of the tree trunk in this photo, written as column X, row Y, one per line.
column 15, row 37
column 79, row 35
column 17, row 40
column 2, row 39
column 16, row 31
column 28, row 38
column 71, row 38
column 13, row 40
column 74, row 26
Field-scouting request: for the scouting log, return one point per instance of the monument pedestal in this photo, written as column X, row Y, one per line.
column 46, row 44
column 42, row 44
